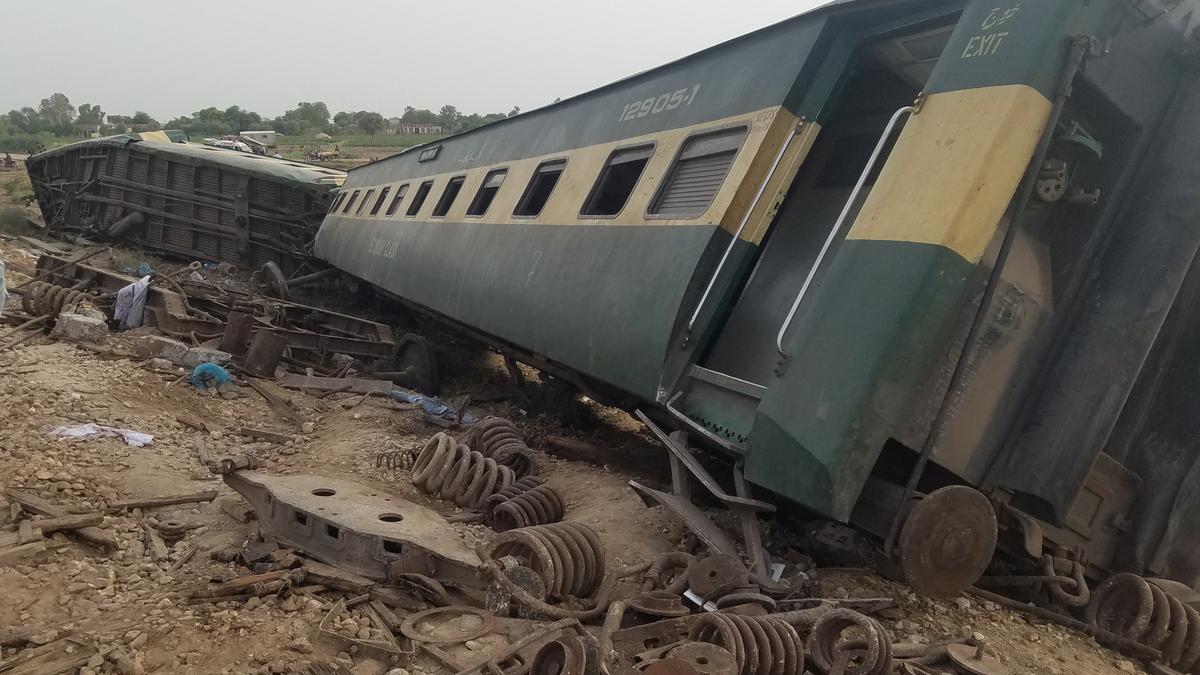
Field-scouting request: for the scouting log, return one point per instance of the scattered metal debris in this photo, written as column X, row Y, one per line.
column 199, row 312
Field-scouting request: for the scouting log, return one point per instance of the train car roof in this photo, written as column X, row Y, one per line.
column 273, row 167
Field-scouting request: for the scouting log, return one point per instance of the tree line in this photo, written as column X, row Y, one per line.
column 56, row 118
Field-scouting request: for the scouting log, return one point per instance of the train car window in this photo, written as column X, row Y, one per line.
column 699, row 170
column 537, row 193
column 366, row 200
column 379, row 202
column 448, row 196
column 419, row 198
column 487, row 192
column 337, row 201
column 350, row 202
column 400, row 192
column 617, row 180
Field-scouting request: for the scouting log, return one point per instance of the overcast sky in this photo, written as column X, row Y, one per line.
column 381, row 55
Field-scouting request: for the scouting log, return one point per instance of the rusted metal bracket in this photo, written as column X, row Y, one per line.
column 356, row 527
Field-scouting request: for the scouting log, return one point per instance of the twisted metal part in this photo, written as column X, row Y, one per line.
column 760, row 645
column 448, row 469
column 498, row 438
column 1142, row 610
column 1082, row 595
column 869, row 652
column 525, row 503
column 567, row 556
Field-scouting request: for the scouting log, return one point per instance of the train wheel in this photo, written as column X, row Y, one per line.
column 416, row 359
column 947, row 541
column 276, row 283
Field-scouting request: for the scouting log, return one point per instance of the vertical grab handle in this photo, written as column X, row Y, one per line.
column 841, row 221
column 762, row 188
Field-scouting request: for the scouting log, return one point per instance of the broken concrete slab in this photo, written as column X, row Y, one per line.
column 80, row 328
column 179, row 353
column 198, row 355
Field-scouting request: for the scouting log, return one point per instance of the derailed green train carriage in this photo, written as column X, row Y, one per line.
column 880, row 233
column 156, row 190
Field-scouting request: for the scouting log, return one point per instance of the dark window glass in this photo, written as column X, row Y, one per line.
column 537, row 193
column 350, row 202
column 617, row 181
column 379, row 202
column 366, row 200
column 448, row 196
column 487, row 192
column 419, row 198
column 400, row 192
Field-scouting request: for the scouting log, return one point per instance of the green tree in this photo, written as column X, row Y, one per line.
column 414, row 116
column 56, row 111
column 143, row 119
column 90, row 114
column 371, row 123
column 515, row 111
column 449, row 117
column 343, row 120
column 310, row 115
column 26, row 120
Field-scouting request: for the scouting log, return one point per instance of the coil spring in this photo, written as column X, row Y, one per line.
column 498, row 438
column 868, row 652
column 448, row 469
column 567, row 556
column 1142, row 610
column 45, row 299
column 525, row 503
column 395, row 460
column 760, row 645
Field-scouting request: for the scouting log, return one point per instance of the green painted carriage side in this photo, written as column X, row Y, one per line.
column 884, row 316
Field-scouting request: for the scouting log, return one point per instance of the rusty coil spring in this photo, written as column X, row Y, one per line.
column 448, row 469
column 1142, row 610
column 45, row 299
column 395, row 460
column 865, row 650
column 525, row 503
column 497, row 438
column 760, row 645
column 567, row 556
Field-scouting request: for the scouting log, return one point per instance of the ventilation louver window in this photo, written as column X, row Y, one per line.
column 699, row 170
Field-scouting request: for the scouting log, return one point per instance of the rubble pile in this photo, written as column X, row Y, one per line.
column 153, row 520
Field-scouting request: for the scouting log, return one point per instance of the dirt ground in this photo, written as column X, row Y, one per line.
column 136, row 612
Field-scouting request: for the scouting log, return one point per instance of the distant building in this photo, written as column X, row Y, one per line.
column 396, row 126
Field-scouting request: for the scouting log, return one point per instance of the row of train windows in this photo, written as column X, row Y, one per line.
column 691, row 184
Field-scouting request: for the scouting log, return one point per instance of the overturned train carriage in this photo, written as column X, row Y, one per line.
column 190, row 200
column 878, row 249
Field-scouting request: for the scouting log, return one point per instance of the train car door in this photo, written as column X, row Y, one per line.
column 883, row 75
